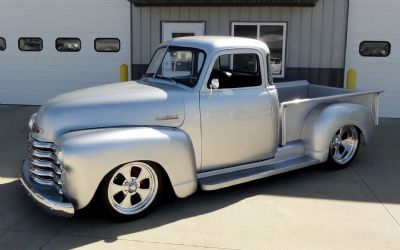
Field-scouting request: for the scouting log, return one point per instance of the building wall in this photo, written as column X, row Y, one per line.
column 315, row 39
column 33, row 77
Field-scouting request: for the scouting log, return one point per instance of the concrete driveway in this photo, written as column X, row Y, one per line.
column 313, row 208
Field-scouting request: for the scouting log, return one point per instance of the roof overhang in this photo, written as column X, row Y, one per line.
column 301, row 3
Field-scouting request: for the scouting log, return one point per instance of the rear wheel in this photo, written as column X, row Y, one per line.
column 131, row 191
column 344, row 146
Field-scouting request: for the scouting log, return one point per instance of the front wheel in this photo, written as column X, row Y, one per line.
column 131, row 191
column 344, row 146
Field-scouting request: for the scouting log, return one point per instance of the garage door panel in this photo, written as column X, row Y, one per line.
column 371, row 20
column 33, row 77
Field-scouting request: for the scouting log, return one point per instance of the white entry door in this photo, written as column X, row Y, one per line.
column 179, row 29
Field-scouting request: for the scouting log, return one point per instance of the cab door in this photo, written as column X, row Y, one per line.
column 236, row 117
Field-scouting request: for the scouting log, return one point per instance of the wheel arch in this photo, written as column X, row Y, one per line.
column 90, row 155
column 324, row 121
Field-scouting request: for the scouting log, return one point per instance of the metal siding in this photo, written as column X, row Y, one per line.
column 327, row 37
column 194, row 13
column 305, row 38
column 136, row 33
column 223, row 2
column 155, row 28
column 145, row 35
column 294, row 38
column 339, row 34
column 214, row 21
column 224, row 22
column 315, row 36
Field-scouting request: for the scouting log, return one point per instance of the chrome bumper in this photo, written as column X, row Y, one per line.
column 45, row 197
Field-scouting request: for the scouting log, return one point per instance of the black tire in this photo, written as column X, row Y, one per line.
column 351, row 136
column 112, row 208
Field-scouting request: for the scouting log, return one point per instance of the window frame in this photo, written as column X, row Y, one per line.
column 261, row 60
column 284, row 45
column 29, row 37
column 5, row 44
column 373, row 41
column 80, row 44
column 100, row 51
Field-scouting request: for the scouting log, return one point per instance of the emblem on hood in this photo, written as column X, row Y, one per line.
column 167, row 117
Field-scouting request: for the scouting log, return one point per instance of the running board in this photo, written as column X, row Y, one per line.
column 224, row 180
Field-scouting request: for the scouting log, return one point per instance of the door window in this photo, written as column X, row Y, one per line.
column 30, row 44
column 107, row 44
column 374, row 48
column 2, row 44
column 236, row 71
column 66, row 44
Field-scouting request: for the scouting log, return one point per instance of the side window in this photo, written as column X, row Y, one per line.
column 30, row 44
column 107, row 44
column 64, row 44
column 236, row 71
column 374, row 48
column 2, row 44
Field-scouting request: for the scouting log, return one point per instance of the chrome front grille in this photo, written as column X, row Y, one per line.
column 44, row 168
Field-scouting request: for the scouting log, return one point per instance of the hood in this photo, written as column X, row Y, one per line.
column 111, row 105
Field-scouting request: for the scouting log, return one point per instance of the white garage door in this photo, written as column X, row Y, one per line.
column 35, row 66
column 377, row 60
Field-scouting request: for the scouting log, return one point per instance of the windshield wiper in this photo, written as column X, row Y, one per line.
column 166, row 78
column 148, row 74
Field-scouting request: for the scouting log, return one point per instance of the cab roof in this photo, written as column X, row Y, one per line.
column 212, row 44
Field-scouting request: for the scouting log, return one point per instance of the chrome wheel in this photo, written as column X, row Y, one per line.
column 132, row 188
column 344, row 145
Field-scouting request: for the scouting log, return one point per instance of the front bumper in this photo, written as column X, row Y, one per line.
column 45, row 197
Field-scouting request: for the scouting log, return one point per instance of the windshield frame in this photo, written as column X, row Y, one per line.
column 195, row 52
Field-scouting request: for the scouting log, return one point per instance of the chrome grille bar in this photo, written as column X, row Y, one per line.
column 45, row 165
column 44, row 168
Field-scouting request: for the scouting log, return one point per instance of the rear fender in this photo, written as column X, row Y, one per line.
column 87, row 156
column 324, row 121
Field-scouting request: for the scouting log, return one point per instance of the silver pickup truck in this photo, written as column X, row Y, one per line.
column 206, row 114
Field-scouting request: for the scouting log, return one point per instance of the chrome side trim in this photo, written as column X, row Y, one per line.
column 44, row 200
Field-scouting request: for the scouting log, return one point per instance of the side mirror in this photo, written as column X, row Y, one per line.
column 214, row 85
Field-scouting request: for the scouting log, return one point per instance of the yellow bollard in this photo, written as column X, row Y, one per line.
column 123, row 73
column 351, row 79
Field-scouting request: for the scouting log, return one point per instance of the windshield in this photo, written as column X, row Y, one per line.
column 178, row 64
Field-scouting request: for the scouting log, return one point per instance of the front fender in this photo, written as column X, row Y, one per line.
column 324, row 121
column 88, row 155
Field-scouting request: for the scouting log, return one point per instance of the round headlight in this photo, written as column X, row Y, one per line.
column 36, row 128
column 32, row 120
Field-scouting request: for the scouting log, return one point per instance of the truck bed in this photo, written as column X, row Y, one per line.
column 298, row 98
column 300, row 90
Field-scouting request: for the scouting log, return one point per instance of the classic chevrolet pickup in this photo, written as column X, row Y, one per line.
column 206, row 114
